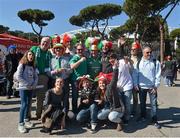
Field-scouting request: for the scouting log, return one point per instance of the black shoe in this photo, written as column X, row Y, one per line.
column 88, row 125
column 38, row 118
column 157, row 125
column 141, row 119
column 45, row 130
column 125, row 122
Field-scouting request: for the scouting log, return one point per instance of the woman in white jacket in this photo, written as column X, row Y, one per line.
column 27, row 77
column 125, row 86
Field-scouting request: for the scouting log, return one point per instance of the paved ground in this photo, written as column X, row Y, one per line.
column 169, row 116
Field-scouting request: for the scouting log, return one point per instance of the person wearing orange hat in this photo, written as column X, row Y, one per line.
column 135, row 57
column 94, row 65
column 67, row 42
column 56, row 39
column 106, row 53
column 60, row 67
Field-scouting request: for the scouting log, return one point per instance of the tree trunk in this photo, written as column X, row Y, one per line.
column 135, row 33
column 161, row 29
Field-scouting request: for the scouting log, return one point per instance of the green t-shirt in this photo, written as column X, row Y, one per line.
column 94, row 66
column 80, row 70
column 42, row 59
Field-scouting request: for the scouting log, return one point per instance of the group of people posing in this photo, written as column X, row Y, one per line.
column 104, row 81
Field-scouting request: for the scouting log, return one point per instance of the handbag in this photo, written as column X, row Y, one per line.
column 47, row 123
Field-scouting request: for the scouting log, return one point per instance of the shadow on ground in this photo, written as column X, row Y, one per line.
column 168, row 117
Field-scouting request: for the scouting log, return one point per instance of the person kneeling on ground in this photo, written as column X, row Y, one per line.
column 107, row 99
column 87, row 109
column 54, row 113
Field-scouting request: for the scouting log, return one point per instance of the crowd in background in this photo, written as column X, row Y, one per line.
column 105, row 80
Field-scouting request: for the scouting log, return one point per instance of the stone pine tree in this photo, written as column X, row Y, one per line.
column 96, row 16
column 140, row 9
column 36, row 17
column 175, row 33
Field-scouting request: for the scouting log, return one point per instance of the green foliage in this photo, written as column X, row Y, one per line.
column 136, row 9
column 83, row 35
column 3, row 29
column 96, row 16
column 148, row 29
column 116, row 32
column 37, row 17
column 175, row 33
column 76, row 20
column 31, row 36
column 100, row 12
column 178, row 53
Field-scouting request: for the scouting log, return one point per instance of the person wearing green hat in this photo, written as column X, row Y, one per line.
column 60, row 67
column 42, row 62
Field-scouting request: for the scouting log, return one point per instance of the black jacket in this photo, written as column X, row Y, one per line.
column 86, row 94
column 112, row 98
column 11, row 64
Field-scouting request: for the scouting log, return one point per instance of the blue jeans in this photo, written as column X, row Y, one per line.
column 103, row 114
column 168, row 80
column 153, row 102
column 26, row 97
column 90, row 113
column 115, row 116
column 74, row 96
column 9, row 84
column 66, row 94
column 126, row 97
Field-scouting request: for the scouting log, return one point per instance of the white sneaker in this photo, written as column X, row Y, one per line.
column 22, row 129
column 29, row 124
column 93, row 128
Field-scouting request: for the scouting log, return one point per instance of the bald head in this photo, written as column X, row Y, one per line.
column 45, row 43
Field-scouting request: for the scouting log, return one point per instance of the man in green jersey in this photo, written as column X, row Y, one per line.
column 42, row 61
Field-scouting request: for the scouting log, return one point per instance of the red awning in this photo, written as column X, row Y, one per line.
column 21, row 43
column 16, row 39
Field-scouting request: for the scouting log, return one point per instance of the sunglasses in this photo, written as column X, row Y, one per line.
column 79, row 49
column 149, row 52
column 133, row 49
column 58, row 49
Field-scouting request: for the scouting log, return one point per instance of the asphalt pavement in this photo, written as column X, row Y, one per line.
column 168, row 115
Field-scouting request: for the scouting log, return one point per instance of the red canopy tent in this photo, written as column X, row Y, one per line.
column 21, row 43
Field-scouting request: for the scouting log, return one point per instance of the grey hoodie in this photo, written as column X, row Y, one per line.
column 27, row 76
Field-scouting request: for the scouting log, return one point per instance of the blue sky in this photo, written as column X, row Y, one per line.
column 63, row 10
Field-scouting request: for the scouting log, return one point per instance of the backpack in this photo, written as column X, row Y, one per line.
column 154, row 61
column 15, row 80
